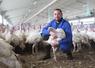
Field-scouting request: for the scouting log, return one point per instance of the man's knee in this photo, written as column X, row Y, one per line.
column 68, row 52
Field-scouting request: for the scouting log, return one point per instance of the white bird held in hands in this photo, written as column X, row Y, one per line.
column 55, row 36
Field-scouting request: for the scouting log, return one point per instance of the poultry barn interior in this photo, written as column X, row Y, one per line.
column 21, row 24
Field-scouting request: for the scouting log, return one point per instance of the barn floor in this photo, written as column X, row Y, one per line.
column 83, row 59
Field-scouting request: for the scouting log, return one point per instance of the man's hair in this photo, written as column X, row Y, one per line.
column 58, row 10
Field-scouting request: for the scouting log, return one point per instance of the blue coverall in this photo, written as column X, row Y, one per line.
column 65, row 45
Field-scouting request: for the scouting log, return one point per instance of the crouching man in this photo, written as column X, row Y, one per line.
column 65, row 44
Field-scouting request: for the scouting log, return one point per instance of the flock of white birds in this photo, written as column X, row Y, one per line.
column 9, row 40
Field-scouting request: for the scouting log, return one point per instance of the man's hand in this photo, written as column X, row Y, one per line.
column 53, row 34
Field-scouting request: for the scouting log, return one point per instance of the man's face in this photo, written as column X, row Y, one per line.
column 57, row 15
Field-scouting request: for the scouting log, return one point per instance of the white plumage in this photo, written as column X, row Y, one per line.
column 60, row 34
column 33, row 37
column 5, row 49
column 7, row 56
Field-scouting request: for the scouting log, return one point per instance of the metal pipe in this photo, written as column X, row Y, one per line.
column 41, row 10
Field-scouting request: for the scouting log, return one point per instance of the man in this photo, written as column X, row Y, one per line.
column 65, row 44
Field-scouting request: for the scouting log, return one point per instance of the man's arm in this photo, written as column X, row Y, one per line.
column 68, row 33
column 45, row 29
column 45, row 32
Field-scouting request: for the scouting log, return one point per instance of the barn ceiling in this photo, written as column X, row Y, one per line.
column 17, row 11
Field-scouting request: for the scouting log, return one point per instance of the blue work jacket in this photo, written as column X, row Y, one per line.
column 66, row 43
